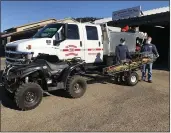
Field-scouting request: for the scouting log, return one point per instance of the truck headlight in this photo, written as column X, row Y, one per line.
column 28, row 47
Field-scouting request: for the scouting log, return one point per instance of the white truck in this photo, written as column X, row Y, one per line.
column 93, row 43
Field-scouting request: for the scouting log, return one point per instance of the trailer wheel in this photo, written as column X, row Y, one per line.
column 28, row 96
column 132, row 79
column 76, row 86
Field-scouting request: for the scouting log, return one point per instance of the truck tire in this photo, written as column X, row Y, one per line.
column 76, row 86
column 28, row 96
column 132, row 79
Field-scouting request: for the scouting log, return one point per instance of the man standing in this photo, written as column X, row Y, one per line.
column 151, row 49
column 122, row 52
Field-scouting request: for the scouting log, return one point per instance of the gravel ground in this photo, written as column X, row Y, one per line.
column 104, row 107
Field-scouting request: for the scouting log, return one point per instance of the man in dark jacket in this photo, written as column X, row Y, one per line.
column 148, row 48
column 122, row 52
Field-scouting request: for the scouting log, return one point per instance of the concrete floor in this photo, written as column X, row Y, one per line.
column 104, row 107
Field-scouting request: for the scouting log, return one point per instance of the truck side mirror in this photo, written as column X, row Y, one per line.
column 56, row 43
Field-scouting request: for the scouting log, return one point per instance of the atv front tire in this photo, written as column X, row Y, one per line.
column 8, row 94
column 28, row 96
column 76, row 86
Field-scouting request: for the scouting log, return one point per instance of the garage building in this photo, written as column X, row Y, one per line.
column 156, row 23
column 26, row 31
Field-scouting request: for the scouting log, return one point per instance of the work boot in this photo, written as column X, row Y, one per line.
column 142, row 80
column 150, row 81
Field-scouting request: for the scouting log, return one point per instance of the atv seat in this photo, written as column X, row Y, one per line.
column 54, row 67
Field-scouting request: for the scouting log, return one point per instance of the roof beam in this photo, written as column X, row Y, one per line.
column 155, row 18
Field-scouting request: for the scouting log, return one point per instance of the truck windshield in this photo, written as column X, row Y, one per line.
column 48, row 31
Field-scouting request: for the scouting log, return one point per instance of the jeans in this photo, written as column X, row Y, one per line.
column 149, row 68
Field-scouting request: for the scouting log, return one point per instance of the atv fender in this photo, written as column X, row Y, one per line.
column 30, row 72
column 74, row 70
column 44, row 86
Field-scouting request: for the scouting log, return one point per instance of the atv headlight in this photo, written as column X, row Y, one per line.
column 29, row 56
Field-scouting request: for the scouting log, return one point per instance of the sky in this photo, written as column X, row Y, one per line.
column 16, row 13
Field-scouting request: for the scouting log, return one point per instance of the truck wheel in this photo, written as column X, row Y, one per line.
column 76, row 86
column 132, row 79
column 28, row 96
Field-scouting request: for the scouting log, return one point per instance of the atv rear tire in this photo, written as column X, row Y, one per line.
column 132, row 79
column 28, row 96
column 76, row 86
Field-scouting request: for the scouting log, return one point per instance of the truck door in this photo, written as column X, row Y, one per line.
column 73, row 45
column 93, row 44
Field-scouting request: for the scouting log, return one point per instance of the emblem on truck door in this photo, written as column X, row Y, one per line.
column 71, row 50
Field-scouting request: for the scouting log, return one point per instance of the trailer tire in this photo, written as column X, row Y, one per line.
column 132, row 79
column 28, row 96
column 76, row 86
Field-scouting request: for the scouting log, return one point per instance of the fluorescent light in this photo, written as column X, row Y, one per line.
column 159, row 26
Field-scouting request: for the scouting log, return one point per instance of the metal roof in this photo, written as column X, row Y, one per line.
column 157, row 19
column 156, row 11
column 20, row 32
column 145, row 13
column 52, row 19
column 104, row 20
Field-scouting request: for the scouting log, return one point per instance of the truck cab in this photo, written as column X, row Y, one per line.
column 64, row 40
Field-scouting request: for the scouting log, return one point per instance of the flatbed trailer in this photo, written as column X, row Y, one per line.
column 126, row 72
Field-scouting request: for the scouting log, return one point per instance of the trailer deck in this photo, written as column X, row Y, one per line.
column 126, row 71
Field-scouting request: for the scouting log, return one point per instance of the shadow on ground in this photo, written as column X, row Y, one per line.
column 6, row 101
column 9, row 102
column 162, row 67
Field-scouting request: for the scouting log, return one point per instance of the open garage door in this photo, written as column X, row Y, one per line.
column 158, row 27
column 161, row 38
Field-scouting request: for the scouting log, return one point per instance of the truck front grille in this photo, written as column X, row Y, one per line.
column 11, row 48
column 12, row 55
column 9, row 60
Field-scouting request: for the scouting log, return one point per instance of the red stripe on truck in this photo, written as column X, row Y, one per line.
column 77, row 49
column 65, row 49
column 98, row 49
column 95, row 49
column 92, row 49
